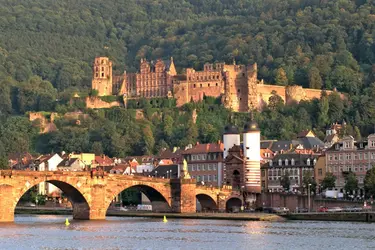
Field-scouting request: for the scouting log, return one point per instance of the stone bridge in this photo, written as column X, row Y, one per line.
column 92, row 193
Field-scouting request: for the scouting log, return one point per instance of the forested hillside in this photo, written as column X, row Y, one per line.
column 319, row 43
column 47, row 49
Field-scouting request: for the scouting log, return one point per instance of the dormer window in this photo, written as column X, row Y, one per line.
column 361, row 145
column 286, row 162
column 308, row 162
column 292, row 162
column 337, row 146
column 280, row 162
column 270, row 163
column 372, row 143
column 314, row 161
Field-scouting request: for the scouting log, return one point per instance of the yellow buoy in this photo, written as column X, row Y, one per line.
column 165, row 219
column 67, row 222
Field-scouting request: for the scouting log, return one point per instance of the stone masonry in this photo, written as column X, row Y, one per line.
column 91, row 193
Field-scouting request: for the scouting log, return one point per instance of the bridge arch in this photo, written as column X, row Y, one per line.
column 81, row 208
column 233, row 204
column 159, row 196
column 207, row 202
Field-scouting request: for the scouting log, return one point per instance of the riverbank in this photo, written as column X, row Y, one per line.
column 341, row 216
column 208, row 216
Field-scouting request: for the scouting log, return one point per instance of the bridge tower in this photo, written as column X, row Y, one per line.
column 251, row 149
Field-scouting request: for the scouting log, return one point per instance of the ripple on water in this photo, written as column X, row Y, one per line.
column 49, row 232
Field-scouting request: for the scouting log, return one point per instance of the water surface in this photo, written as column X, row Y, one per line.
column 50, row 232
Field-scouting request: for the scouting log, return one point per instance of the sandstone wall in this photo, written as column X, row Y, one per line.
column 97, row 103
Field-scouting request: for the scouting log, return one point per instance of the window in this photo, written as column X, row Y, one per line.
column 201, row 85
column 208, row 177
column 360, row 156
column 320, row 172
column 194, row 86
column 214, row 167
column 198, row 167
column 308, row 162
column 280, row 162
column 330, row 157
column 203, row 178
column 203, row 167
column 286, row 162
column 193, row 167
column 214, row 177
column 340, row 156
column 348, row 156
column 292, row 161
column 102, row 74
column 209, row 167
column 372, row 143
column 198, row 178
column 365, row 156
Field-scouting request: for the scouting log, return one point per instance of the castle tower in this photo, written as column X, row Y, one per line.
column 102, row 76
column 252, row 100
column 251, row 148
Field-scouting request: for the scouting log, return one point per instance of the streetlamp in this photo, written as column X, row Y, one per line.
column 309, row 195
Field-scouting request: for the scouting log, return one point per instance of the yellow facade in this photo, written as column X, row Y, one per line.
column 87, row 158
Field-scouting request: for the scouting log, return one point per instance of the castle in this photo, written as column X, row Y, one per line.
column 236, row 85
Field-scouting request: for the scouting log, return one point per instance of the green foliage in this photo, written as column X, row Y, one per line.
column 285, row 181
column 369, row 182
column 109, row 98
column 308, row 179
column 351, row 183
column 329, row 181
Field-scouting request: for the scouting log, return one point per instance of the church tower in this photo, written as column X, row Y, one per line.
column 102, row 78
column 251, row 149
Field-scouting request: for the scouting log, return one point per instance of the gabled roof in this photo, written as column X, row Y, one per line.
column 103, row 160
column 205, row 148
column 67, row 162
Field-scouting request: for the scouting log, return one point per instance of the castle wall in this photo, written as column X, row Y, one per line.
column 265, row 92
column 97, row 103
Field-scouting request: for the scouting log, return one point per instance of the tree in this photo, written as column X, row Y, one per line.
column 307, row 180
column 285, row 181
column 275, row 102
column 351, row 183
column 369, row 182
column 281, row 78
column 315, row 81
column 329, row 181
column 149, row 140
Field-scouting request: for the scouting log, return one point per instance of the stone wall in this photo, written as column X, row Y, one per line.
column 97, row 103
column 301, row 201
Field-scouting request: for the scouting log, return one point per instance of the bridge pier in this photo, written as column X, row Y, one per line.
column 183, row 195
column 7, row 203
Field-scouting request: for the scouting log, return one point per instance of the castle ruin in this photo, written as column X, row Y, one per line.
column 236, row 85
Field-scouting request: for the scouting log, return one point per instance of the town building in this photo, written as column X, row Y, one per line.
column 349, row 155
column 292, row 164
column 48, row 163
column 205, row 163
column 72, row 164
column 320, row 171
column 236, row 85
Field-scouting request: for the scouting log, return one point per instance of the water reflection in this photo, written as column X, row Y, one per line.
column 50, row 232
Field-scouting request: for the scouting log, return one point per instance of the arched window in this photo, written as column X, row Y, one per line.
column 308, row 162
column 292, row 162
column 280, row 162
column 286, row 162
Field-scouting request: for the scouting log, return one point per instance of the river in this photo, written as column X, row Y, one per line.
column 49, row 232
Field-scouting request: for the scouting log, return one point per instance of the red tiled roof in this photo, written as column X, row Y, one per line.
column 103, row 161
column 165, row 162
column 205, row 148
